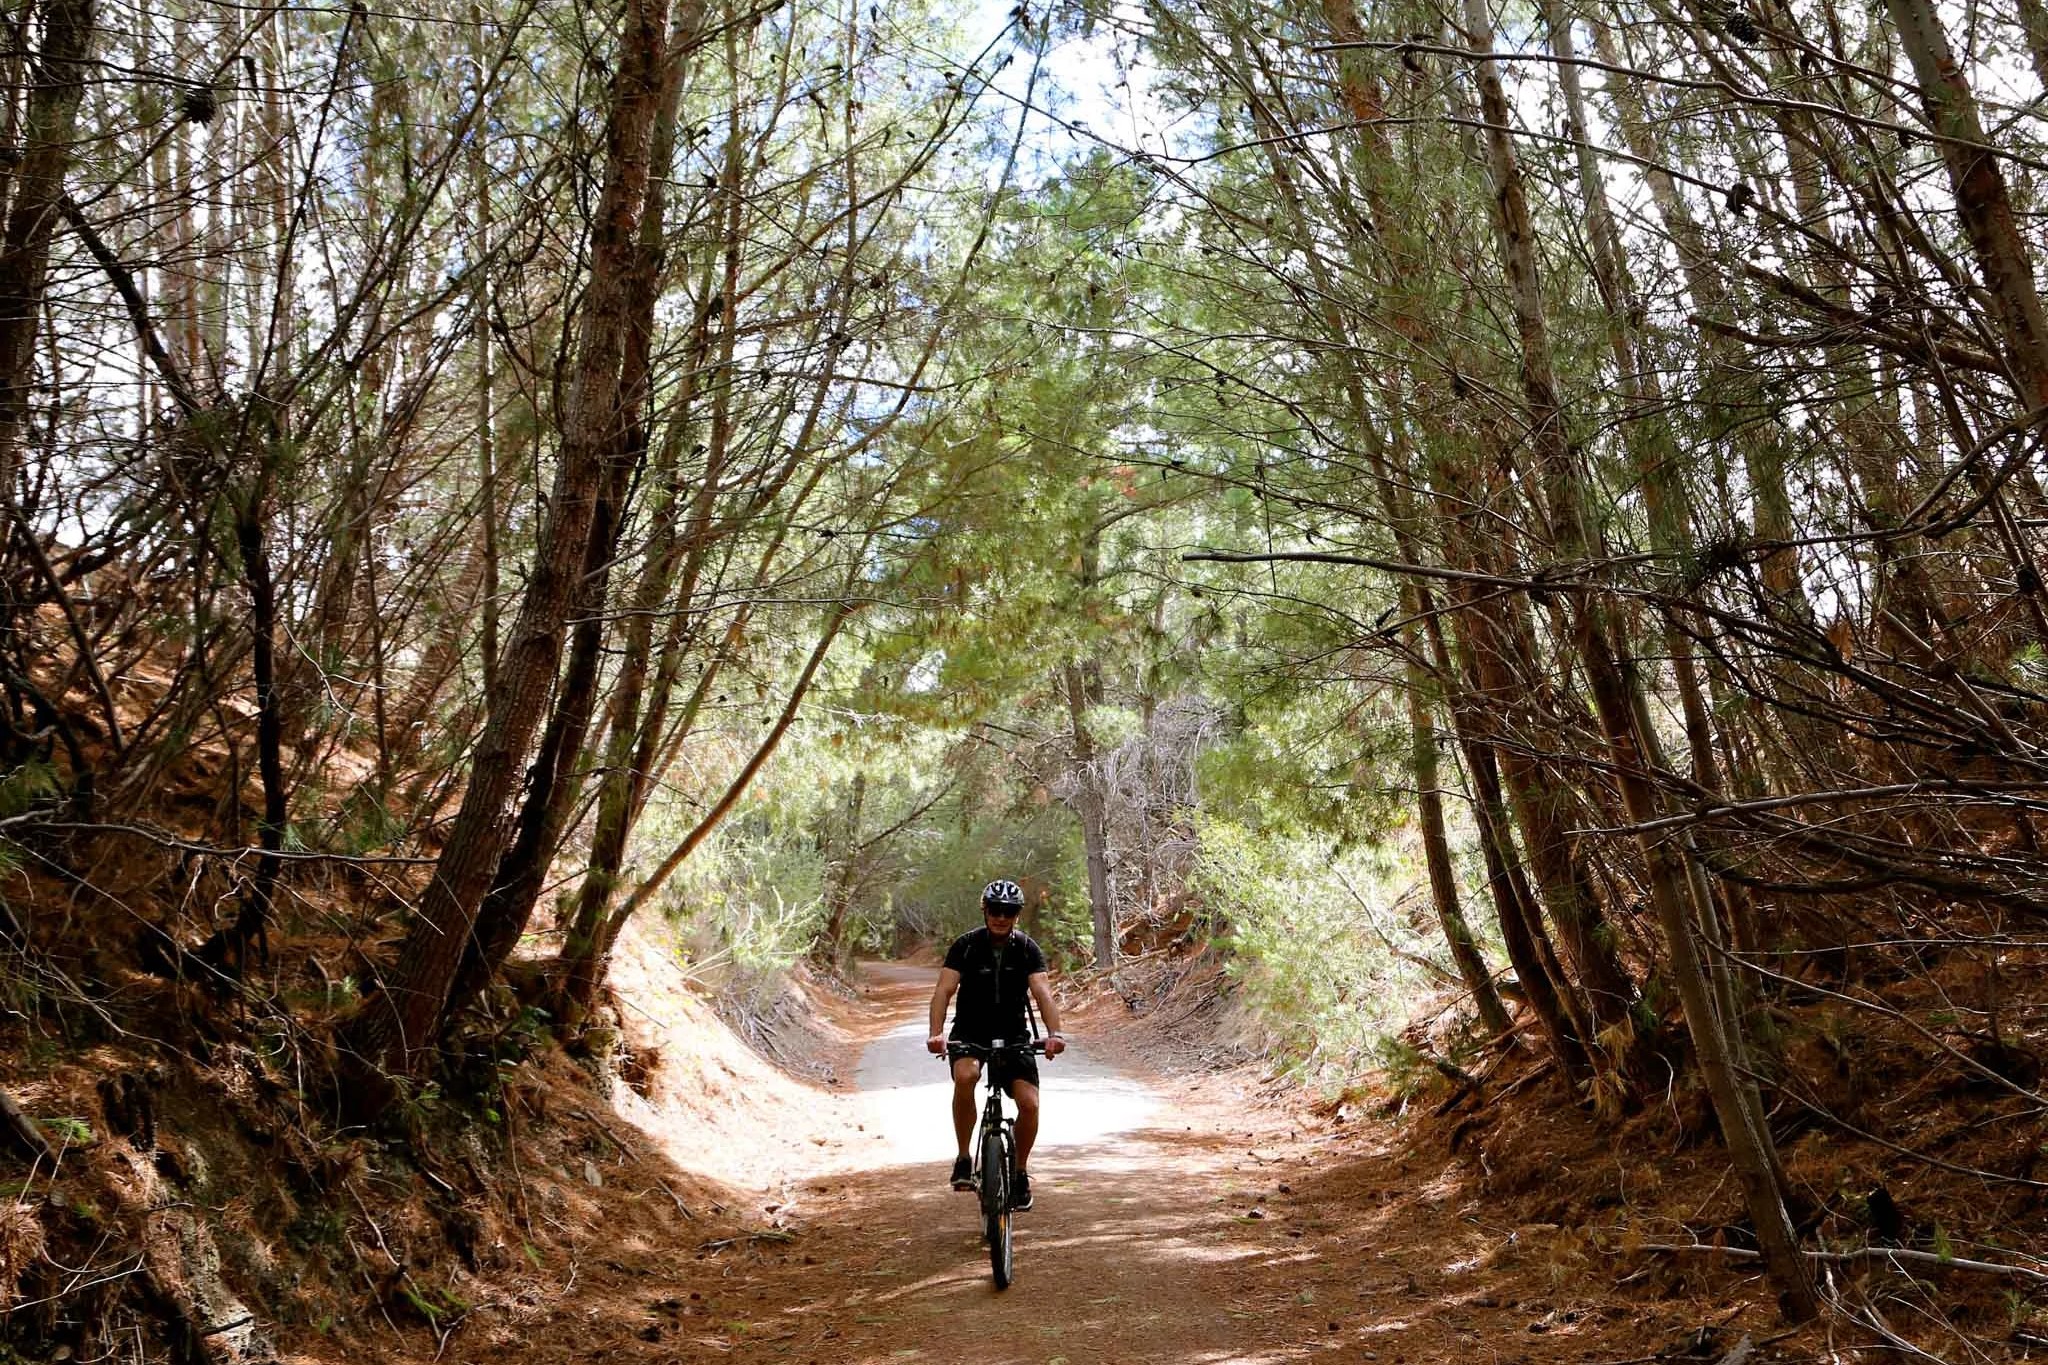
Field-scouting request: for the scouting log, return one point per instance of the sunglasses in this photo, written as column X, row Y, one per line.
column 999, row 914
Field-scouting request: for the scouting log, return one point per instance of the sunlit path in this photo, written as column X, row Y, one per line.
column 1134, row 1253
column 905, row 1091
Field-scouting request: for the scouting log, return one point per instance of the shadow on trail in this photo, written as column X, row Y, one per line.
column 1144, row 1249
column 1172, row 1227
column 1158, row 1236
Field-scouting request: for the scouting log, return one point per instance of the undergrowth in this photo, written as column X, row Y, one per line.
column 1331, row 949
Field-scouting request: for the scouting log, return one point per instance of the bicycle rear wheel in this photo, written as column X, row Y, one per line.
column 995, row 1204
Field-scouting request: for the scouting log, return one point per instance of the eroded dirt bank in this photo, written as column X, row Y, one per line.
column 1178, row 1221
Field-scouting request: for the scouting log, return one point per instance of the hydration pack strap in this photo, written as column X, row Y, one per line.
column 1030, row 1009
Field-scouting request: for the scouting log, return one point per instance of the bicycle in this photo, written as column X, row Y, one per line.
column 995, row 1152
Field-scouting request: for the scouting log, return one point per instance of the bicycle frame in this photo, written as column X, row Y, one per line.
column 995, row 1150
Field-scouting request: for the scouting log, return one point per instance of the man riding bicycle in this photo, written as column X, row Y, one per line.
column 993, row 970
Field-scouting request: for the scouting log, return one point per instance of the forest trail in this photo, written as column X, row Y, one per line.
column 1180, row 1221
column 1148, row 1242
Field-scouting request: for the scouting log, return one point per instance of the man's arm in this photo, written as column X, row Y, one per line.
column 1049, row 1010
column 942, row 996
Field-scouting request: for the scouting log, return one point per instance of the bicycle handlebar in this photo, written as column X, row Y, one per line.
column 985, row 1052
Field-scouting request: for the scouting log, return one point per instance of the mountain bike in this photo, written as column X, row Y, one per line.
column 995, row 1151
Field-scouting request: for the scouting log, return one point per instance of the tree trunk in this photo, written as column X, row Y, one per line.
column 553, row 782
column 1762, row 450
column 49, row 140
column 2034, row 29
column 1747, row 1139
column 1089, row 809
column 228, row 949
column 1647, row 434
column 842, row 877
column 482, row 300
column 396, row 1028
column 1549, row 991
column 1436, row 852
column 1540, row 808
column 1982, row 200
column 581, row 968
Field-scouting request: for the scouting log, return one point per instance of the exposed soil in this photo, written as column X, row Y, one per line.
column 690, row 1197
column 1179, row 1219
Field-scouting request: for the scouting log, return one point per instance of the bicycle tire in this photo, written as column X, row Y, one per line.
column 995, row 1186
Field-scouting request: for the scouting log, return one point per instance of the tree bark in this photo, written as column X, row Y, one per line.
column 1747, row 1140
column 1983, row 202
column 482, row 300
column 1542, row 977
column 395, row 1029
column 1436, row 853
column 553, row 781
column 842, row 878
column 581, row 968
column 49, row 141
column 1761, row 449
column 1089, row 809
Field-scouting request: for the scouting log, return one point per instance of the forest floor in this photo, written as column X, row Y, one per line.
column 1180, row 1218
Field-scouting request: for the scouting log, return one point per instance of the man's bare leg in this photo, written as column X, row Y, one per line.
column 966, row 1071
column 1026, row 1095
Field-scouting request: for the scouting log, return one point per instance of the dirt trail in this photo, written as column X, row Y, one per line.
column 1149, row 1210
column 904, row 1091
column 1190, row 1222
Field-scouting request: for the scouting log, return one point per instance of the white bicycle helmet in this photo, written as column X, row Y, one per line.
column 1002, row 892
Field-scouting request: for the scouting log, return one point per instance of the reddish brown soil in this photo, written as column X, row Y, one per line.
column 1238, row 1228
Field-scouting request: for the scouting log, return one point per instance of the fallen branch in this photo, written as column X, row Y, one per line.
column 1529, row 1077
column 1895, row 1255
column 166, row 839
column 771, row 1235
column 610, row 1133
column 24, row 1130
column 1452, row 1072
column 1741, row 1351
column 681, row 1207
column 1469, row 1085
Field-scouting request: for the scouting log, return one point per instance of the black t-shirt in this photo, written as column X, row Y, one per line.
column 990, row 1004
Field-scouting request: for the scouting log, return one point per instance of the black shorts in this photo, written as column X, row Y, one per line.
column 1008, row 1068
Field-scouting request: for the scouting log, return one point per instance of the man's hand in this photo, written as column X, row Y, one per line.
column 936, row 1045
column 1055, row 1045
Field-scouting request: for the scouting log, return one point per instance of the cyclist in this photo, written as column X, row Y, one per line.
column 993, row 969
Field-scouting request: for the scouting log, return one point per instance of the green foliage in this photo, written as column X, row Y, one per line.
column 432, row 1305
column 1318, row 970
column 317, row 1225
column 1405, row 1070
column 75, row 1132
column 747, row 906
column 29, row 785
column 365, row 823
column 1036, row 845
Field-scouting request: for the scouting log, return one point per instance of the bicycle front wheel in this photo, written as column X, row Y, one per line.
column 995, row 1204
